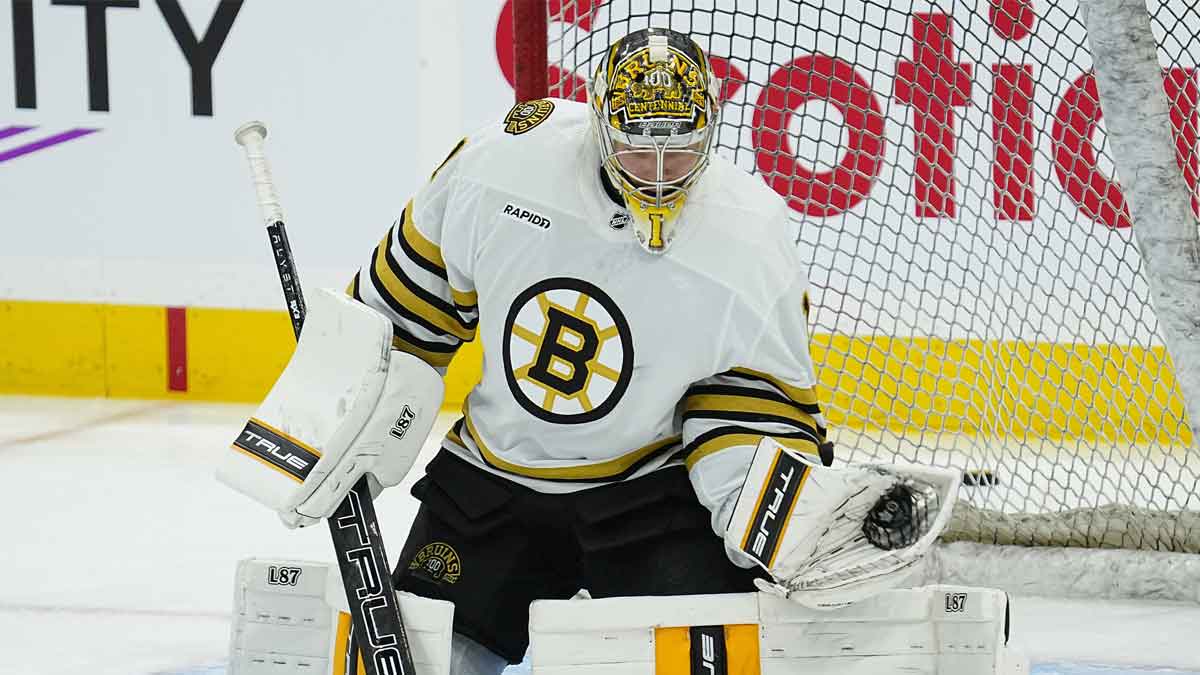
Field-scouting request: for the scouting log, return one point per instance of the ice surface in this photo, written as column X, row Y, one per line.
column 119, row 550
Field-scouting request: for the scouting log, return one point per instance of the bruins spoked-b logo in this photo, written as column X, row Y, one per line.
column 438, row 561
column 527, row 115
column 568, row 352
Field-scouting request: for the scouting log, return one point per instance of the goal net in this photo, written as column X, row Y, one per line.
column 979, row 298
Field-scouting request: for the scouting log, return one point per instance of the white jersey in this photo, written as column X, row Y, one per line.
column 602, row 362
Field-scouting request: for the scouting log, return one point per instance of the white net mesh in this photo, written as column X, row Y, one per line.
column 979, row 301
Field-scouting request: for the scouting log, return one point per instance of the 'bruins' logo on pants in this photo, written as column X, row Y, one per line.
column 439, row 562
column 568, row 352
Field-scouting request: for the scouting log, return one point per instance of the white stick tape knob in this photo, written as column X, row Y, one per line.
column 251, row 136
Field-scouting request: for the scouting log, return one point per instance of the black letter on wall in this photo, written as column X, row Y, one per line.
column 97, row 42
column 203, row 54
column 23, row 65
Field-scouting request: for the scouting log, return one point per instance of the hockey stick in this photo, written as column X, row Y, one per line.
column 354, row 527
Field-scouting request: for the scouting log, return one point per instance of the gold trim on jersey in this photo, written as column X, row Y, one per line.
column 402, row 341
column 400, row 292
column 608, row 469
column 455, row 438
column 801, row 395
column 429, row 251
column 435, row 359
column 449, row 157
column 742, row 438
column 732, row 402
column 467, row 301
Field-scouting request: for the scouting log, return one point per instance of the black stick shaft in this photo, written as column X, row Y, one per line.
column 378, row 628
column 287, row 275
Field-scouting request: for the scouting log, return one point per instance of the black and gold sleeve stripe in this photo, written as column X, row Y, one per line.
column 748, row 405
column 407, row 280
column 408, row 299
column 436, row 354
column 466, row 302
column 725, row 437
column 741, row 406
column 804, row 397
column 417, row 249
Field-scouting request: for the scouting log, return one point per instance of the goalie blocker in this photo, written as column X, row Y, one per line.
column 345, row 406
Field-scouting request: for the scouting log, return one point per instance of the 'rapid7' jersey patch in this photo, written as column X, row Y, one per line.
column 525, row 216
column 568, row 351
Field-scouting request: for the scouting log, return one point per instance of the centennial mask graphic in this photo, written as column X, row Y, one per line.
column 668, row 91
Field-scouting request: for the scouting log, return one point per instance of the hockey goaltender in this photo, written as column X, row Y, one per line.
column 645, row 456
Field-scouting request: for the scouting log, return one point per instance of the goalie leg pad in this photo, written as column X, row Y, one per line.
column 289, row 617
column 937, row 630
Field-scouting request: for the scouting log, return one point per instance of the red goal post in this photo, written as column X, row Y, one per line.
column 966, row 183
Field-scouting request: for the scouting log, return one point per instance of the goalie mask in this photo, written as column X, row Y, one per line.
column 654, row 100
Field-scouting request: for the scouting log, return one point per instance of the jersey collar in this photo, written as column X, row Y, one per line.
column 611, row 190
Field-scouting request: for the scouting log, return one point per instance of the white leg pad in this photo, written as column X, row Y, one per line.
column 936, row 630
column 289, row 617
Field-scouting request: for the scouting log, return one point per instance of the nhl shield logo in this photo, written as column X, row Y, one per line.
column 619, row 220
column 527, row 115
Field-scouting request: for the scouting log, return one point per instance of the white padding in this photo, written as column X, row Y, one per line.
column 936, row 630
column 323, row 398
column 287, row 615
column 430, row 627
column 570, row 636
column 345, row 406
column 281, row 621
column 803, row 523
